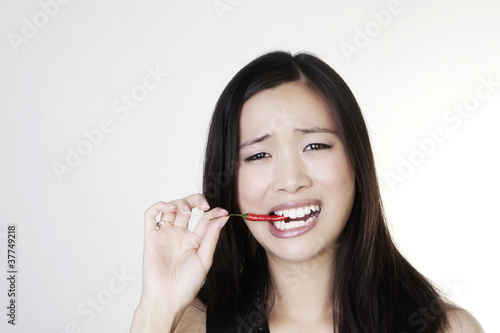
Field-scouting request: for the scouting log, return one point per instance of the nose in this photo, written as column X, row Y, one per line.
column 290, row 174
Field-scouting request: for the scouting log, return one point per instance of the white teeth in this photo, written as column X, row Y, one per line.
column 297, row 212
column 314, row 208
column 282, row 225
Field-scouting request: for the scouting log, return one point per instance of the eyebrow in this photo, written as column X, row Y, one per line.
column 297, row 130
column 254, row 141
column 315, row 130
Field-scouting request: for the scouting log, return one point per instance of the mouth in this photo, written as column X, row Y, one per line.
column 296, row 217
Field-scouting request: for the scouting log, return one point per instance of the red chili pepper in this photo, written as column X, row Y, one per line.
column 255, row 217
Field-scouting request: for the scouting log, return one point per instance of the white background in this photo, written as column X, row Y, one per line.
column 75, row 235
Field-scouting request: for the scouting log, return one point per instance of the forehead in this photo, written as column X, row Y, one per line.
column 290, row 105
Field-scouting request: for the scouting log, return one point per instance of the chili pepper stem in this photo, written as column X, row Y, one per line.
column 240, row 215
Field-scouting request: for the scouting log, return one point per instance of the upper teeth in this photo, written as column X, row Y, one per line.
column 297, row 212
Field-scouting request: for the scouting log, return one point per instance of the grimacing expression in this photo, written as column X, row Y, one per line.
column 292, row 162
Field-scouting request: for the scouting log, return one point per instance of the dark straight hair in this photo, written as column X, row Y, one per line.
column 374, row 288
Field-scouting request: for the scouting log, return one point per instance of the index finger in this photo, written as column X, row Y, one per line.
column 197, row 200
column 181, row 216
column 152, row 212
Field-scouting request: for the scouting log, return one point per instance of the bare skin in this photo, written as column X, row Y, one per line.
column 461, row 321
column 176, row 261
column 302, row 302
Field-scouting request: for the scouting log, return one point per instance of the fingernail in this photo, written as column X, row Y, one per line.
column 204, row 204
column 223, row 212
column 222, row 223
column 186, row 209
column 169, row 205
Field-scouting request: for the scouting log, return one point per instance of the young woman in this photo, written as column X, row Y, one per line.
column 287, row 138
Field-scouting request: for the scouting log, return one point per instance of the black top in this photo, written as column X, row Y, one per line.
column 253, row 320
column 228, row 322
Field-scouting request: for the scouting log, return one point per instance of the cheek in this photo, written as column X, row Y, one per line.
column 336, row 176
column 250, row 194
column 250, row 189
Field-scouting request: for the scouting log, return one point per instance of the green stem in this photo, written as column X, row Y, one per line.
column 240, row 215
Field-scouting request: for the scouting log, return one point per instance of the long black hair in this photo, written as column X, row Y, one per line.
column 374, row 288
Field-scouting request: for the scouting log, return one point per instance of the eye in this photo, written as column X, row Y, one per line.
column 257, row 156
column 317, row 146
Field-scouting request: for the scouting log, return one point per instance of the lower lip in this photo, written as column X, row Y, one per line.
column 287, row 233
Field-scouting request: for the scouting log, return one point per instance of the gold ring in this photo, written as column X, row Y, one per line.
column 159, row 223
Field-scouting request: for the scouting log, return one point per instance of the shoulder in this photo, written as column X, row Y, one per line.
column 461, row 321
column 193, row 319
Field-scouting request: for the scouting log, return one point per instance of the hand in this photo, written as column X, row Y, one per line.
column 176, row 261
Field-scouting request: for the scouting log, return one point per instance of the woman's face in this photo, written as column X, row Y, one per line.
column 291, row 162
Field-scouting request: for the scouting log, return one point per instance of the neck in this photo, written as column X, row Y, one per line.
column 302, row 290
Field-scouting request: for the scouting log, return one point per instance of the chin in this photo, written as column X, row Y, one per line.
column 300, row 251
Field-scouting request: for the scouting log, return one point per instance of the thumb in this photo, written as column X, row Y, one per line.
column 209, row 242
